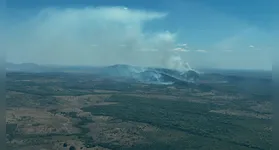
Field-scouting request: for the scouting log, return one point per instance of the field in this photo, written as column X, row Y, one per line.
column 74, row 111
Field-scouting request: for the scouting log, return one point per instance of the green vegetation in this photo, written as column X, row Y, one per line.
column 27, row 100
column 193, row 119
column 181, row 124
column 72, row 148
column 11, row 130
column 86, row 139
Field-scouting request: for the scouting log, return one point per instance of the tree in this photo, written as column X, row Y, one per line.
column 72, row 148
column 65, row 145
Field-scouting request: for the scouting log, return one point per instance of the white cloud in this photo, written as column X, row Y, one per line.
column 251, row 46
column 90, row 36
column 179, row 49
column 185, row 45
column 201, row 51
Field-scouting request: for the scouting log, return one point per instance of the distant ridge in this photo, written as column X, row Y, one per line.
column 140, row 74
column 24, row 67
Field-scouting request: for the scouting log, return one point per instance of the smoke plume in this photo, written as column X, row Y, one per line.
column 92, row 36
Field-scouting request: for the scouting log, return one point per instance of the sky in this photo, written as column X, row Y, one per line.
column 204, row 33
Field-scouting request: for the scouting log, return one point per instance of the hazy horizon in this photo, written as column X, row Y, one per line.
column 157, row 34
column 92, row 66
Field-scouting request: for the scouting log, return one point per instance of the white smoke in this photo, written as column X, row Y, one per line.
column 79, row 36
column 175, row 61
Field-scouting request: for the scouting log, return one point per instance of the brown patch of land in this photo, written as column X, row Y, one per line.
column 105, row 91
column 265, row 107
column 81, row 101
column 120, row 133
column 39, row 121
column 242, row 113
column 171, row 97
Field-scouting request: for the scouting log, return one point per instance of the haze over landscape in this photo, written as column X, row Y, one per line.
column 157, row 33
column 139, row 75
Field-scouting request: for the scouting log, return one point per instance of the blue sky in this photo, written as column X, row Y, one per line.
column 205, row 33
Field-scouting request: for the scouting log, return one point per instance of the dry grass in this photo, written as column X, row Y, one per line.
column 81, row 101
column 106, row 91
column 39, row 121
column 57, row 143
column 265, row 107
column 171, row 97
column 242, row 113
column 121, row 133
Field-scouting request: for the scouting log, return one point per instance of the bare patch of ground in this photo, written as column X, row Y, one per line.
column 171, row 97
column 42, row 81
column 39, row 121
column 66, row 144
column 242, row 113
column 55, row 143
column 102, row 118
column 117, row 132
column 105, row 91
column 106, row 103
column 81, row 101
column 265, row 107
column 157, row 96
column 268, row 129
column 98, row 148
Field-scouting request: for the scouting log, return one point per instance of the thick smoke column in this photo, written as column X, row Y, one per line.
column 177, row 63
